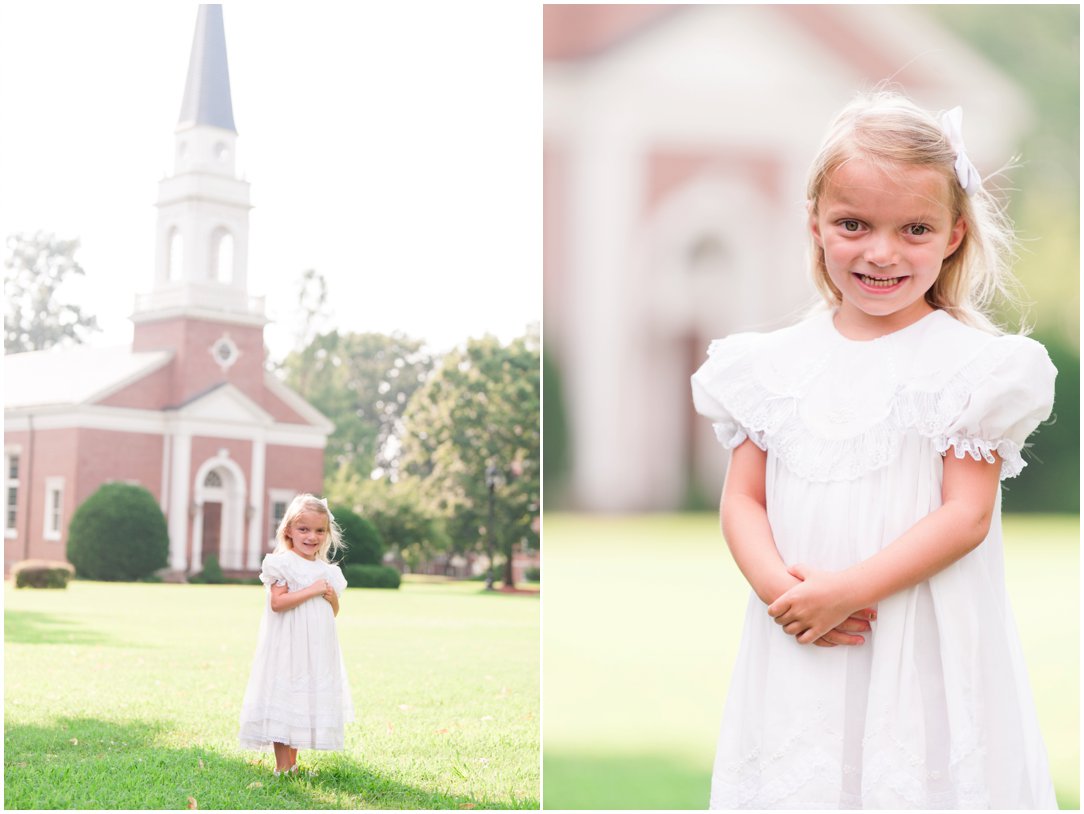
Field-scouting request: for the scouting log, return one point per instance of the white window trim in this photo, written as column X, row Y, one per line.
column 277, row 496
column 11, row 532
column 53, row 485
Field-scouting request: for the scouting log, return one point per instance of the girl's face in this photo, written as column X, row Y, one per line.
column 884, row 237
column 307, row 533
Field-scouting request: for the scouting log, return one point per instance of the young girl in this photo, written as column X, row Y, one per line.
column 297, row 696
column 879, row 665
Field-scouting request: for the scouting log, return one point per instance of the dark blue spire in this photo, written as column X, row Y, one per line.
column 207, row 90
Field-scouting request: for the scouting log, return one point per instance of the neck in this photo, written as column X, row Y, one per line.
column 853, row 323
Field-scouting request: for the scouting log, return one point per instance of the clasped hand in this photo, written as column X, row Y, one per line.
column 322, row 588
column 817, row 611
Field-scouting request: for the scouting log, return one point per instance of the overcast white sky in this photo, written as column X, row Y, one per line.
column 395, row 147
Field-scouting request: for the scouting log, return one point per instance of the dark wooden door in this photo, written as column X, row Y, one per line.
column 212, row 531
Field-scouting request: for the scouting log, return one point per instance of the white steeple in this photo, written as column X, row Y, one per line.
column 201, row 260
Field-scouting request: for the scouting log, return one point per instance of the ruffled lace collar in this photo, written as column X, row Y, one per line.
column 833, row 408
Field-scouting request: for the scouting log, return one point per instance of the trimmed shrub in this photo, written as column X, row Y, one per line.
column 118, row 534
column 364, row 544
column 371, row 576
column 42, row 574
column 211, row 573
column 533, row 574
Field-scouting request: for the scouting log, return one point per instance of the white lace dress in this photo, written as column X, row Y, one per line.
column 934, row 710
column 297, row 693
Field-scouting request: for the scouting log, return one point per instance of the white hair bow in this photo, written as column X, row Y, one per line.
column 952, row 124
column 330, row 516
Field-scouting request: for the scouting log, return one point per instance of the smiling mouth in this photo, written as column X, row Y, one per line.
column 879, row 282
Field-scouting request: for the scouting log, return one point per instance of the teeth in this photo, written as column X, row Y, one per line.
column 878, row 282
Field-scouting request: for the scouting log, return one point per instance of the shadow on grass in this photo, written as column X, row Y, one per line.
column 29, row 627
column 640, row 781
column 94, row 764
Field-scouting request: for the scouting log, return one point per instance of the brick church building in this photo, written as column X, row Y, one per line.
column 188, row 411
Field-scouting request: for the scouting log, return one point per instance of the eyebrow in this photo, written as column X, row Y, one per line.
column 845, row 208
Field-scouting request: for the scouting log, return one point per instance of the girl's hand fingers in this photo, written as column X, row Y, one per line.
column 823, row 642
column 777, row 609
column 854, row 625
column 793, row 628
column 836, row 637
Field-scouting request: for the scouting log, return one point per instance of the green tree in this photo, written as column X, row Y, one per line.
column 480, row 409
column 118, row 533
column 397, row 510
column 362, row 382
column 364, row 543
column 313, row 308
column 35, row 269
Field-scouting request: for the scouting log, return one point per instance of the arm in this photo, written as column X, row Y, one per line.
column 968, row 492
column 743, row 514
column 744, row 518
column 283, row 599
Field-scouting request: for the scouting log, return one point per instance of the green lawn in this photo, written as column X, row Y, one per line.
column 642, row 618
column 127, row 696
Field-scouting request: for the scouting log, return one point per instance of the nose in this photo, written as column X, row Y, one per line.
column 881, row 251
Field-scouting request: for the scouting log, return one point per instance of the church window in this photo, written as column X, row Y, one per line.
column 213, row 479
column 222, row 256
column 11, row 514
column 54, row 504
column 175, row 269
column 225, row 351
column 706, row 255
column 280, row 499
column 278, row 511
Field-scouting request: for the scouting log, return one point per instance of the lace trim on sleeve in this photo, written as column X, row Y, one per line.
column 1012, row 461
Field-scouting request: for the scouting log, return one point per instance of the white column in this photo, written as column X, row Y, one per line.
column 178, row 500
column 255, row 499
column 601, row 218
column 196, row 565
column 163, row 491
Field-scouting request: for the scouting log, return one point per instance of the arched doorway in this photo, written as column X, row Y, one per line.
column 218, row 525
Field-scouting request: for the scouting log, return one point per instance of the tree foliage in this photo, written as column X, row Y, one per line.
column 313, row 307
column 118, row 534
column 35, row 269
column 364, row 543
column 480, row 409
column 362, row 382
column 397, row 510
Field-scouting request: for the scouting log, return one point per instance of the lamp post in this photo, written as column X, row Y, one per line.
column 492, row 476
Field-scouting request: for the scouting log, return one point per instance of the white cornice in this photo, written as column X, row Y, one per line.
column 258, row 320
column 153, row 422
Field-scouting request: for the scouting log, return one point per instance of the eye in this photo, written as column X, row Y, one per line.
column 918, row 229
column 850, row 225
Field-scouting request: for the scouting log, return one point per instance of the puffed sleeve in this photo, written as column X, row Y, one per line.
column 1005, row 406
column 337, row 580
column 273, row 571
column 724, row 391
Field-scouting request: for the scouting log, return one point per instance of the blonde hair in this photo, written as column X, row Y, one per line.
column 333, row 543
column 889, row 131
